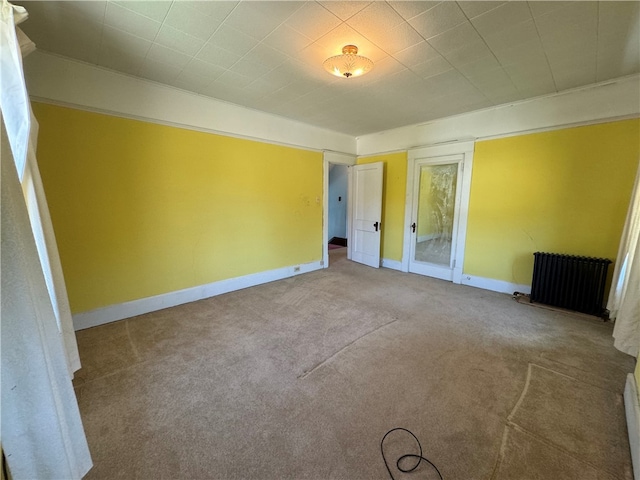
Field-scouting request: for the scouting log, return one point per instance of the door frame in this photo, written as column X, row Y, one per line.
column 338, row 159
column 437, row 271
column 465, row 149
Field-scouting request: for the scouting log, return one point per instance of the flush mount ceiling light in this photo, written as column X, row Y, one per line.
column 349, row 64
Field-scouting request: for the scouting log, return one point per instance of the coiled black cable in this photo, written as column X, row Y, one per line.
column 419, row 457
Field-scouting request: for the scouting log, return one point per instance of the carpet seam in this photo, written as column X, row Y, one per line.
column 309, row 372
column 571, row 366
column 115, row 372
column 572, row 378
column 511, row 423
column 557, row 447
column 133, row 346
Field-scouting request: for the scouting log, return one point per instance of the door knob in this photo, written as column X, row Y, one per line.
column 375, row 225
column 413, row 227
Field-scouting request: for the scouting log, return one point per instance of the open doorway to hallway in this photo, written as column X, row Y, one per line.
column 337, row 222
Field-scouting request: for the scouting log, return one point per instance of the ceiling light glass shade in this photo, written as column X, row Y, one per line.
column 349, row 64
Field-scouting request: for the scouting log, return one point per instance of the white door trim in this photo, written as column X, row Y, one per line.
column 339, row 159
column 464, row 148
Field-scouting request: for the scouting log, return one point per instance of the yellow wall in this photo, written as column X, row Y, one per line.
column 393, row 195
column 141, row 209
column 564, row 191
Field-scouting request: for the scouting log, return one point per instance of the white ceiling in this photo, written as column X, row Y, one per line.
column 432, row 59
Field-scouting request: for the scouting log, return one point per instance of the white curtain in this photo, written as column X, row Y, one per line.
column 42, row 434
column 624, row 297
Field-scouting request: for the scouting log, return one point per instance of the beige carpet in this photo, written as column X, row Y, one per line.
column 301, row 378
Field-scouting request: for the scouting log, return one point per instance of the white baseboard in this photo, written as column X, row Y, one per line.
column 494, row 285
column 120, row 311
column 632, row 410
column 392, row 264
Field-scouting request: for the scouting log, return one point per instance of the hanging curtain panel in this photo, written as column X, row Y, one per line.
column 42, row 433
column 624, row 300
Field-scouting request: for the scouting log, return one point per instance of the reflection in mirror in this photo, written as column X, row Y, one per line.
column 436, row 206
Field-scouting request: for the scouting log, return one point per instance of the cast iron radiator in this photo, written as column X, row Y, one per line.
column 568, row 281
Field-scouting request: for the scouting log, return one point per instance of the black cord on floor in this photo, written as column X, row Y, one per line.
column 419, row 457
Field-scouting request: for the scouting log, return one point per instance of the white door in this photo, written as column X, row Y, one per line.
column 366, row 216
column 435, row 215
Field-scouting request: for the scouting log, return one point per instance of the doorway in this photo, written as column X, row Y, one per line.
column 338, row 190
column 438, row 186
column 331, row 159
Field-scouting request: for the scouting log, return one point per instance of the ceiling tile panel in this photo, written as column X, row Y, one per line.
column 259, row 19
column 129, row 64
column 386, row 66
column 83, row 45
column 504, row 96
column 439, row 19
column 156, row 10
column 539, row 82
column 572, row 23
column 395, row 39
column 472, row 52
column 431, row 68
column 179, row 40
column 510, row 37
column 446, row 82
column 281, row 76
column 265, row 55
column 618, row 63
column 378, row 16
column 416, row 54
column 313, row 21
column 527, row 69
column 287, row 40
column 505, row 16
column 218, row 56
column 204, row 69
column 158, row 72
column 167, row 56
column 572, row 56
column 541, row 7
column 191, row 81
column 344, row 9
column 232, row 79
column 218, row 11
column 478, row 66
column 131, row 22
column 474, row 8
column 455, row 38
column 189, row 20
column 571, row 77
column 233, row 40
column 117, row 42
column 618, row 17
column 412, row 9
column 92, row 10
column 531, row 51
column 491, row 81
column 249, row 69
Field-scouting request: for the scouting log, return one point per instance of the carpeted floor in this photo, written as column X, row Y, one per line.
column 301, row 378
